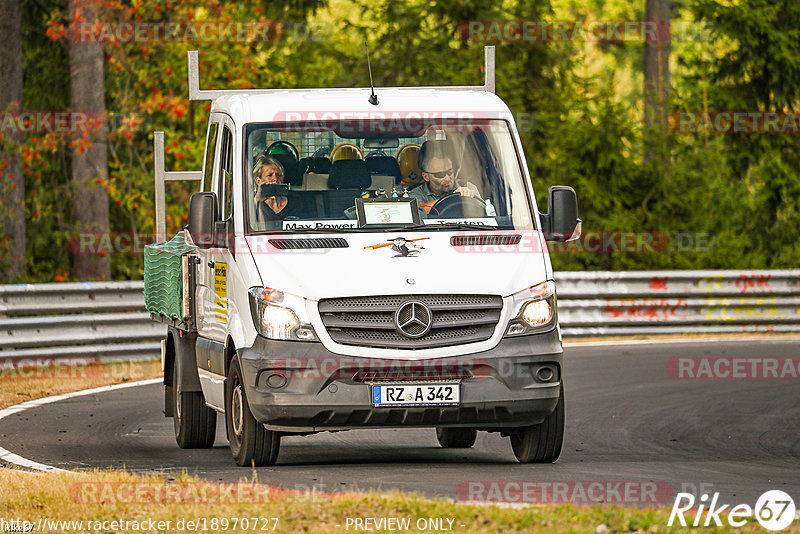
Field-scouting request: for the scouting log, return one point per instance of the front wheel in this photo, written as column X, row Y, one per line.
column 195, row 423
column 541, row 443
column 456, row 438
column 251, row 443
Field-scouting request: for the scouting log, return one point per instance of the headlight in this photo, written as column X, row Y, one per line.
column 534, row 310
column 275, row 315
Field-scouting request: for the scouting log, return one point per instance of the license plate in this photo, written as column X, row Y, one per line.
column 416, row 395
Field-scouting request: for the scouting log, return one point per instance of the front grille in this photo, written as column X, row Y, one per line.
column 485, row 239
column 369, row 321
column 309, row 243
column 420, row 374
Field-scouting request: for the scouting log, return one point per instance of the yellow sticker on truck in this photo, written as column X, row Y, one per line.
column 220, row 292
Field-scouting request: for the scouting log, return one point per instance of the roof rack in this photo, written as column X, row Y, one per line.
column 195, row 93
column 163, row 176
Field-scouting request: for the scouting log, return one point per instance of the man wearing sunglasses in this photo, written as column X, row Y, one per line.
column 440, row 180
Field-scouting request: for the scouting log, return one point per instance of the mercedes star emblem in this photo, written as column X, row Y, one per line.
column 413, row 319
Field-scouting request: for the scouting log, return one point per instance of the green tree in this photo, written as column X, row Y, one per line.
column 759, row 72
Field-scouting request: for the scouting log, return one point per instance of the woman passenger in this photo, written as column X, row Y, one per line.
column 268, row 170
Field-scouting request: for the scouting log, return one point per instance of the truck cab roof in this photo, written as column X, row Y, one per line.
column 341, row 104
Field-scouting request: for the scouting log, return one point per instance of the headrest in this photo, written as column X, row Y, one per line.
column 433, row 149
column 346, row 151
column 407, row 158
column 290, row 171
column 349, row 174
column 385, row 165
column 315, row 165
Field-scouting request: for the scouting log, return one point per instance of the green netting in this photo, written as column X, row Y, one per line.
column 162, row 276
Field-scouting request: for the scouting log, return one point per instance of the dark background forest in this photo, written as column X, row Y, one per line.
column 601, row 113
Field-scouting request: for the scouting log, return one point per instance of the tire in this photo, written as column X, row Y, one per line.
column 251, row 443
column 541, row 443
column 195, row 423
column 456, row 438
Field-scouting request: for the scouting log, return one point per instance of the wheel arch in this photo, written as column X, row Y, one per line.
column 169, row 357
column 230, row 352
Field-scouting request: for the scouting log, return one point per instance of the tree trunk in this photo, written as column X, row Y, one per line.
column 656, row 65
column 89, row 161
column 12, row 180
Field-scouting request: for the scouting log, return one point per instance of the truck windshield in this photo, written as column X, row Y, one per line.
column 350, row 175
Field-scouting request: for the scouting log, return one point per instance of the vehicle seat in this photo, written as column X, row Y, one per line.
column 291, row 173
column 307, row 204
column 348, row 177
column 407, row 159
column 384, row 165
column 349, row 173
column 315, row 165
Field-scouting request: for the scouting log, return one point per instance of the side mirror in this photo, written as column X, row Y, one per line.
column 561, row 223
column 202, row 216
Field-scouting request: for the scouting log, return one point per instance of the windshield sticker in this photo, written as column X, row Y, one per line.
column 319, row 225
column 405, row 248
column 486, row 221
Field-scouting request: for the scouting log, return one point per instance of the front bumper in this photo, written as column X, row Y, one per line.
column 326, row 391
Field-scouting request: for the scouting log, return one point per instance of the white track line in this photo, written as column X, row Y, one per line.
column 14, row 459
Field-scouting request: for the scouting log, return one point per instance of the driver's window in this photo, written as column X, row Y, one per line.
column 225, row 181
column 466, row 158
column 211, row 146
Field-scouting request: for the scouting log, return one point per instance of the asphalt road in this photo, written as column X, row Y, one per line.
column 627, row 420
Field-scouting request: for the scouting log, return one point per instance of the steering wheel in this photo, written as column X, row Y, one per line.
column 286, row 144
column 456, row 205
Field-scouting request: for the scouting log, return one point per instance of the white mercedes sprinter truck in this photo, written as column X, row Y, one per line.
column 353, row 261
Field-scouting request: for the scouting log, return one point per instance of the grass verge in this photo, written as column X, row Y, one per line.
column 23, row 383
column 98, row 498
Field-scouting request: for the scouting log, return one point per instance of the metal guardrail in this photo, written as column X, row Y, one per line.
column 678, row 302
column 86, row 319
column 107, row 319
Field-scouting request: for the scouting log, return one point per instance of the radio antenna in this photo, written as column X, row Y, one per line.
column 373, row 99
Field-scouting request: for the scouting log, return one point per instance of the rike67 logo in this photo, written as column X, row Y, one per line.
column 774, row 510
